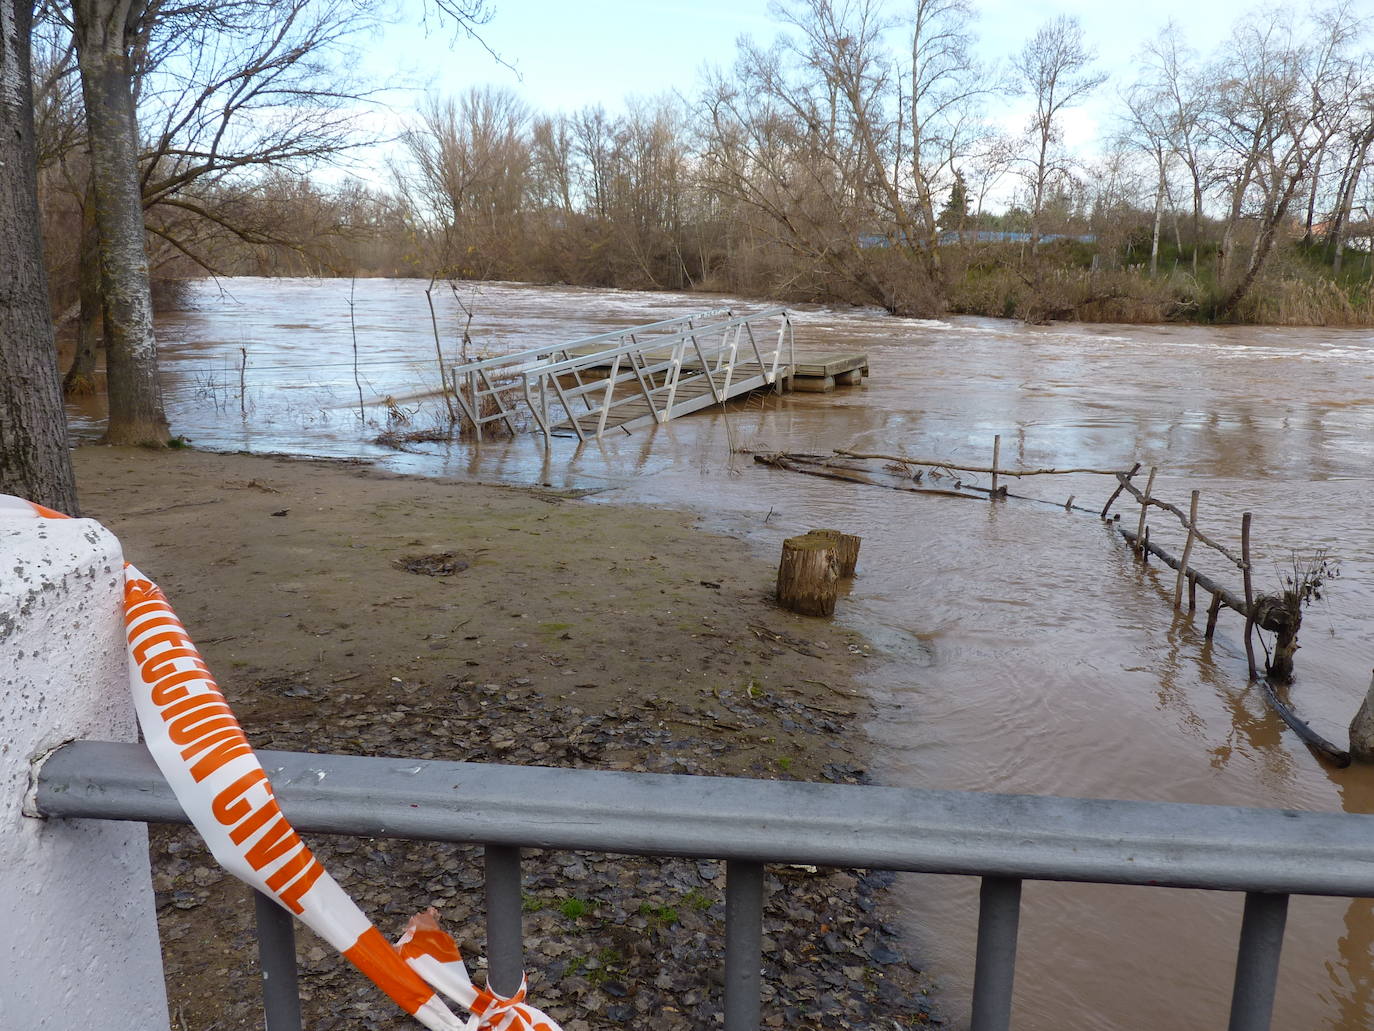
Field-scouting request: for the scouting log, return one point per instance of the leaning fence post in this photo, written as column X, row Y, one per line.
column 1144, row 507
column 1187, row 552
column 1249, row 593
column 1212, row 611
column 1121, row 485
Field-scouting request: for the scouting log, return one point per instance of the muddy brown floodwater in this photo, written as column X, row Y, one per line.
column 1025, row 651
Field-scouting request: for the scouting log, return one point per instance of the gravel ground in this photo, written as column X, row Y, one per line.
column 347, row 612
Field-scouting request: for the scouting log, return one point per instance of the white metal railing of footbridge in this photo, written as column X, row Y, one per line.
column 1004, row 839
column 484, row 386
column 642, row 375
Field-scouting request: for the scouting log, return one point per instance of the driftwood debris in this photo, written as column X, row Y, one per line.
column 937, row 464
column 808, row 576
column 810, row 465
column 1310, row 737
column 820, row 465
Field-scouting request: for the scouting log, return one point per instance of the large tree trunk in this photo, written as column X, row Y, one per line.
column 136, row 413
column 80, row 378
column 35, row 462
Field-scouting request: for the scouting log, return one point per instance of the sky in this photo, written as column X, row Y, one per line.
column 567, row 55
column 572, row 54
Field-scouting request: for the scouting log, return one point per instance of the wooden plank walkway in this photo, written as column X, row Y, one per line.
column 822, row 372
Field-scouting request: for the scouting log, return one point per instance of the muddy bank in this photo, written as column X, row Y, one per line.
column 346, row 610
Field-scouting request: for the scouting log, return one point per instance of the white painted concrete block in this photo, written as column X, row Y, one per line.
column 78, row 939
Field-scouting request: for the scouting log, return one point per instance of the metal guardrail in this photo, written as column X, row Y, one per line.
column 1004, row 839
column 480, row 385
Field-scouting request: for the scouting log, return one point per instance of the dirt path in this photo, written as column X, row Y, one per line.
column 346, row 610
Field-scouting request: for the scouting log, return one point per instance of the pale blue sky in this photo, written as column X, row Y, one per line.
column 570, row 55
column 599, row 51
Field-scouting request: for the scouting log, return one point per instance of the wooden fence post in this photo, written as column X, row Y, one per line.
column 1212, row 611
column 1249, row 592
column 1187, row 552
column 1144, row 507
column 996, row 453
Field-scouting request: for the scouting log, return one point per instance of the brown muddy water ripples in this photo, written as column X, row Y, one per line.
column 1024, row 650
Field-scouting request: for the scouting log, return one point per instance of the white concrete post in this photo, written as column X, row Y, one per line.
column 78, row 940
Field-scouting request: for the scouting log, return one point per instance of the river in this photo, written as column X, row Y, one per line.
column 1025, row 651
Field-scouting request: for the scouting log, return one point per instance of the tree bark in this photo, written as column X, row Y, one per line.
column 846, row 548
column 1362, row 729
column 808, row 576
column 80, row 378
column 35, row 461
column 102, row 28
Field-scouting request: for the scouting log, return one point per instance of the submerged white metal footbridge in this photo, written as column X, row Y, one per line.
column 643, row 375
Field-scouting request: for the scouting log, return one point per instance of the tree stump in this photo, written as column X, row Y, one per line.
column 1362, row 729
column 846, row 547
column 808, row 576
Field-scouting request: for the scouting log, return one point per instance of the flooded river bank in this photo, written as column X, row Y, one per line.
column 1026, row 651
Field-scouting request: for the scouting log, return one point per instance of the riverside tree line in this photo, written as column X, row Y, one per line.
column 855, row 158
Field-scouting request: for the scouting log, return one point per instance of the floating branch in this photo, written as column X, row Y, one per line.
column 1310, row 737
column 795, row 463
column 934, row 464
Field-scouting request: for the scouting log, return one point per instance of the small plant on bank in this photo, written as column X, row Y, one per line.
column 532, row 903
column 574, row 908
column 665, row 915
column 698, row 900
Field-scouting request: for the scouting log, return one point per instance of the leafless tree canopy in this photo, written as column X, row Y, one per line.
column 859, row 155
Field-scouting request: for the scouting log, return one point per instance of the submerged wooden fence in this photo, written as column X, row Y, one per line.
column 1279, row 614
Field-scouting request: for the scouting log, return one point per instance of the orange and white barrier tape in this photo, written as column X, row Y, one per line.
column 206, row 758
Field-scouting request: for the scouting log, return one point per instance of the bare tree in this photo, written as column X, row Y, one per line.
column 34, row 459
column 1053, row 68
column 106, row 35
column 839, row 164
column 1149, row 120
column 1272, row 118
column 1178, row 100
column 470, row 176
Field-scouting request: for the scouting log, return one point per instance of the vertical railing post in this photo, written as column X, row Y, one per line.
column 1257, row 961
column 743, row 944
column 999, row 916
column 505, row 945
column 281, row 997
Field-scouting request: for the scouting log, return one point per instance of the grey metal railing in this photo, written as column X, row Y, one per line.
column 1004, row 839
